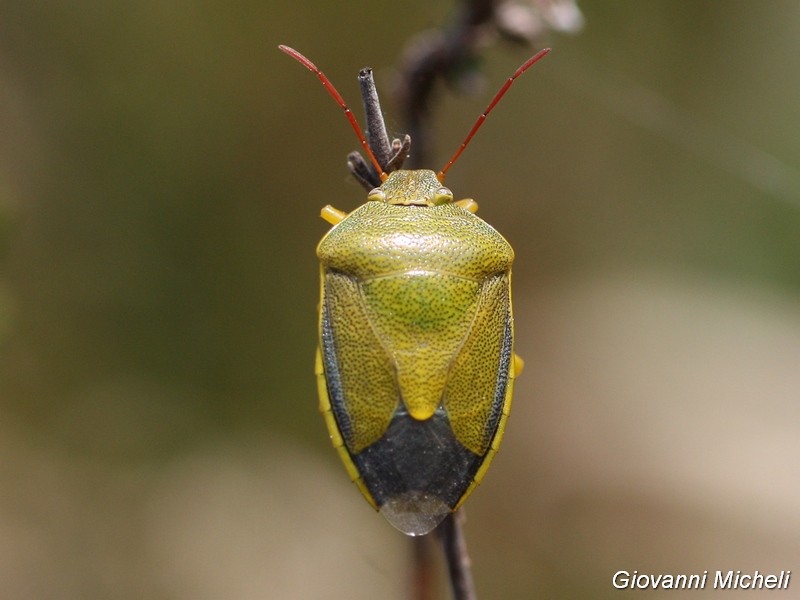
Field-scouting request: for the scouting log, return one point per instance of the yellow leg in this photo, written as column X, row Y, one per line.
column 334, row 216
column 519, row 364
column 467, row 204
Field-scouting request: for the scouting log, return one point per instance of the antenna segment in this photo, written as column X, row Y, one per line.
column 340, row 101
column 501, row 92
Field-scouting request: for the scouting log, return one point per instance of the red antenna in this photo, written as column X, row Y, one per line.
column 340, row 101
column 502, row 92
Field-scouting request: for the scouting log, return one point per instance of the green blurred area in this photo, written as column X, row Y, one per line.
column 161, row 171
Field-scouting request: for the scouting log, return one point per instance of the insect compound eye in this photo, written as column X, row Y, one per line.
column 442, row 196
column 377, row 195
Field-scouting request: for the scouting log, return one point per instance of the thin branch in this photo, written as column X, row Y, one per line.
column 451, row 54
column 448, row 55
column 432, row 56
column 423, row 578
column 390, row 155
column 376, row 128
column 454, row 546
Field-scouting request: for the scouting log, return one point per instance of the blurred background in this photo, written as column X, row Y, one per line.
column 162, row 167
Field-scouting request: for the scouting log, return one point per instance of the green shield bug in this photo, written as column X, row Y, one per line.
column 415, row 365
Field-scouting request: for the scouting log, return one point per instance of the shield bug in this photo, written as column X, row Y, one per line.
column 415, row 364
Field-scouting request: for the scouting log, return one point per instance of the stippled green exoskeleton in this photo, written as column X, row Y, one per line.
column 416, row 363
